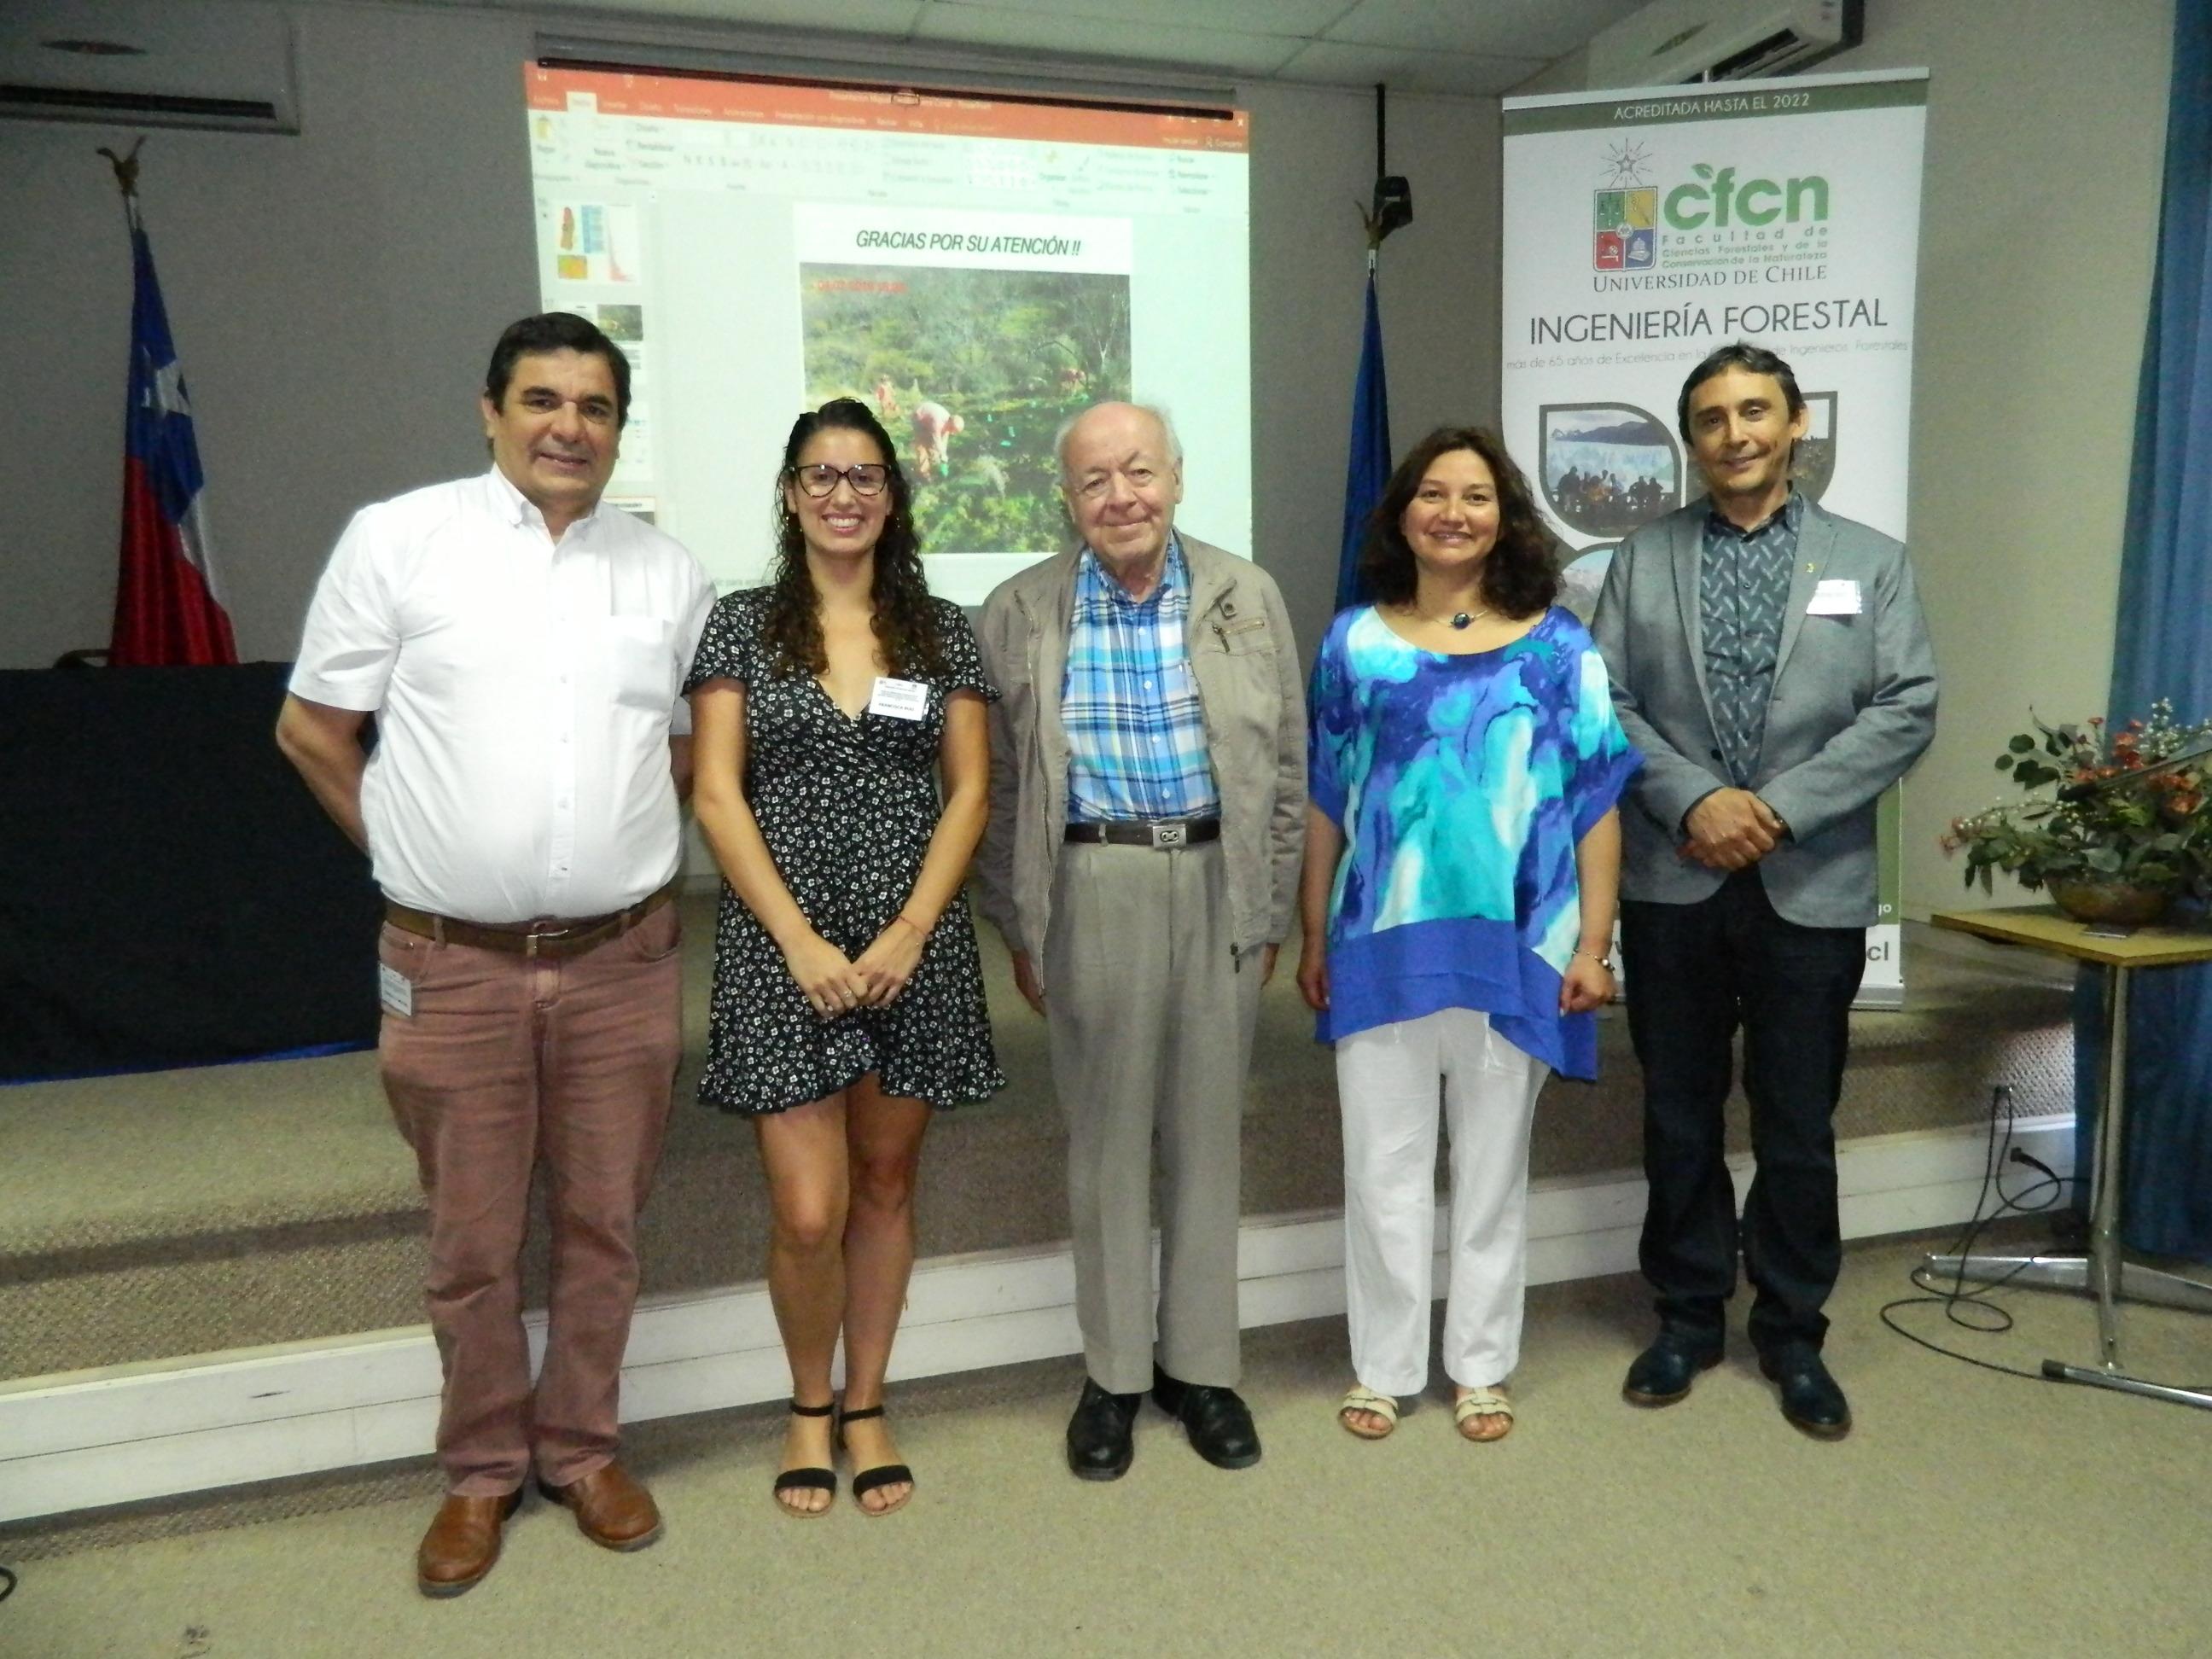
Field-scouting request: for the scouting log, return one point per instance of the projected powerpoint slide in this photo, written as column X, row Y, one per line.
column 976, row 269
column 971, row 368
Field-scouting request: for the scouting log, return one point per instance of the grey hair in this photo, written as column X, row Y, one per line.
column 1157, row 411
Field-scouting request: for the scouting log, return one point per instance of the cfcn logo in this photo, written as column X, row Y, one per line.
column 1624, row 225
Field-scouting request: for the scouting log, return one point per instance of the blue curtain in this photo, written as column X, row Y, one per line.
column 1367, row 469
column 2163, row 648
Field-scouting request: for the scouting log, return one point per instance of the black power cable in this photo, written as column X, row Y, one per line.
column 1965, row 1302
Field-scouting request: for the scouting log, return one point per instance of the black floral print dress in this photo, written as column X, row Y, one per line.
column 847, row 807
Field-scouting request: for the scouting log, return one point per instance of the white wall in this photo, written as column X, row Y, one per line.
column 2046, row 133
column 334, row 296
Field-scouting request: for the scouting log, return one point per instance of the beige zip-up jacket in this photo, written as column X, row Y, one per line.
column 1253, row 697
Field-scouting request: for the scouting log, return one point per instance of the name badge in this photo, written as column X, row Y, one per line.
column 1836, row 597
column 899, row 700
column 395, row 991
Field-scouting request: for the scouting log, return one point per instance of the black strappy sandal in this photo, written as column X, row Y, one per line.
column 883, row 1475
column 807, row 1479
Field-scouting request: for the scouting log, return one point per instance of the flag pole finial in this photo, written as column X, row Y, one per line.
column 126, row 168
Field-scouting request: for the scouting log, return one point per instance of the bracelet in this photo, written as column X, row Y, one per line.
column 922, row 931
column 1604, row 960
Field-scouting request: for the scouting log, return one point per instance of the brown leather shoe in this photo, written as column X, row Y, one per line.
column 612, row 1510
column 462, row 1544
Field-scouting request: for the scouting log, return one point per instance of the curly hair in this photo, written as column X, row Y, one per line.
column 905, row 619
column 1518, row 576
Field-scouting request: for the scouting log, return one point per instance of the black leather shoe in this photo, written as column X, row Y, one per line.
column 1810, row 1397
column 1099, row 1445
column 1663, row 1373
column 1217, row 1422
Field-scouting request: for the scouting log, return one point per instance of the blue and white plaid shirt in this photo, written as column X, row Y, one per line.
column 1136, row 735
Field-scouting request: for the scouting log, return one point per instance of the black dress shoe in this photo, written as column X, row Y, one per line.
column 1099, row 1446
column 1663, row 1373
column 1216, row 1422
column 1810, row 1397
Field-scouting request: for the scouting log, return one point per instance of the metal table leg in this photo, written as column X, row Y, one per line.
column 2151, row 1286
column 2105, row 1200
column 2107, row 1273
column 2105, row 1248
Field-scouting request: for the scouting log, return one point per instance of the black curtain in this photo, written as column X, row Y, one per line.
column 170, row 894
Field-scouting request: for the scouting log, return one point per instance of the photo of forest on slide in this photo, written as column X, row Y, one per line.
column 971, row 373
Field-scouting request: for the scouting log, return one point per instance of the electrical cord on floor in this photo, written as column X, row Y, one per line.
column 1966, row 1301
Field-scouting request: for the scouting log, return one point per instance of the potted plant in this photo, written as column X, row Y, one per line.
column 2117, row 822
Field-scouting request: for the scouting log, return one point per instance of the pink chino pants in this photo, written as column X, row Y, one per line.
column 503, row 1061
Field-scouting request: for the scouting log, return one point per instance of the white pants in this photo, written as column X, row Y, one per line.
column 1387, row 1081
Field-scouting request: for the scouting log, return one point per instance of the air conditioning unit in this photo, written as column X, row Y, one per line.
column 148, row 63
column 1673, row 42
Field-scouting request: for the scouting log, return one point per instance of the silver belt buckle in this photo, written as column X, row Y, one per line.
column 1169, row 836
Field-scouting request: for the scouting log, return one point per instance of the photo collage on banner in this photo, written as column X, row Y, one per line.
column 1643, row 229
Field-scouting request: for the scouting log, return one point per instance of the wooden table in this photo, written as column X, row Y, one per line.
column 2107, row 1273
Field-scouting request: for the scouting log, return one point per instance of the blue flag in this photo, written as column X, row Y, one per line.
column 1368, row 467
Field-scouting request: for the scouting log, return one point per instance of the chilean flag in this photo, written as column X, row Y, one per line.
column 168, row 609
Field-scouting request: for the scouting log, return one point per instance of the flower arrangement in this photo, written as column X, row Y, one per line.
column 2107, row 808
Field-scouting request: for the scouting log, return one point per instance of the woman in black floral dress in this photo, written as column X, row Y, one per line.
column 847, row 1001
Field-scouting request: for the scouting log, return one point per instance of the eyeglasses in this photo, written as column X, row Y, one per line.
column 868, row 478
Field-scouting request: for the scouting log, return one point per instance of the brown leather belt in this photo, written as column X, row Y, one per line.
column 1165, row 833
column 554, row 937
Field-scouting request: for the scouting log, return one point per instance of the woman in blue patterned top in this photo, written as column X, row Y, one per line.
column 1462, row 859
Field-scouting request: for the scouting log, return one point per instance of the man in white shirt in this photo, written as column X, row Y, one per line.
column 523, row 650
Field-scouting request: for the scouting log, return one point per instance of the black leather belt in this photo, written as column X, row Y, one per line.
column 1147, row 832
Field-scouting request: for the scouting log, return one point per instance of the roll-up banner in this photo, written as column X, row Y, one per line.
column 1644, row 228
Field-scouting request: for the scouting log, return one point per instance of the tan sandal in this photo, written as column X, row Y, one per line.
column 1361, row 1398
column 1483, row 1414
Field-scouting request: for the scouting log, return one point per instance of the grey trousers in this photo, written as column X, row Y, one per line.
column 1150, row 1012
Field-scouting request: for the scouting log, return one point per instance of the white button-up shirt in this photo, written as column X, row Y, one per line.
column 525, row 691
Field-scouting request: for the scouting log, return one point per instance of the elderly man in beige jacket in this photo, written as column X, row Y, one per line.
column 1147, row 800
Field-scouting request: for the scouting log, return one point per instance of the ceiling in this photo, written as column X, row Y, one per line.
column 1470, row 47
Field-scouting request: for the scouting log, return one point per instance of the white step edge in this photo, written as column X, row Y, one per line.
column 124, row 1433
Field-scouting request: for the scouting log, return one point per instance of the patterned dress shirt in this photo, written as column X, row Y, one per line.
column 1743, row 591
column 1136, row 735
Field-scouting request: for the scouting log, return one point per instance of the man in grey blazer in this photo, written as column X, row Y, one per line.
column 1148, row 773
column 1771, row 662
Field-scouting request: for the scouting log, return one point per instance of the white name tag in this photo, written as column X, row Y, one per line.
column 899, row 700
column 1836, row 597
column 395, row 992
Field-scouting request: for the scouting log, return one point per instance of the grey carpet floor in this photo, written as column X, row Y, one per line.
column 1970, row 1513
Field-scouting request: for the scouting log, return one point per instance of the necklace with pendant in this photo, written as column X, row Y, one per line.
column 1459, row 619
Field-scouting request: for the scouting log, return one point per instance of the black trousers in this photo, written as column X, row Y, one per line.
column 1696, row 973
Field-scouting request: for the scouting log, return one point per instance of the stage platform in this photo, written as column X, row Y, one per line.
column 177, row 1220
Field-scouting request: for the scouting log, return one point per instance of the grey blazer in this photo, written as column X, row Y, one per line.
column 1853, row 705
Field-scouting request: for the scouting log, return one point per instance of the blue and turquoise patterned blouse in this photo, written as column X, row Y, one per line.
column 1463, row 784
